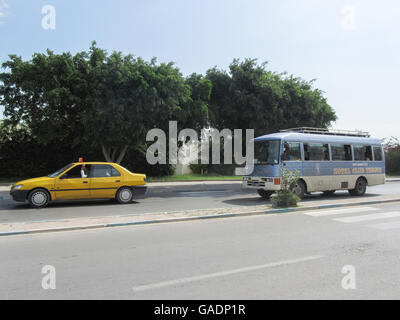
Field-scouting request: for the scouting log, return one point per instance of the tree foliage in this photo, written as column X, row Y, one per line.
column 392, row 155
column 108, row 102
column 250, row 96
column 103, row 104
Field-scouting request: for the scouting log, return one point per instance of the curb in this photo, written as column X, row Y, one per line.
column 186, row 219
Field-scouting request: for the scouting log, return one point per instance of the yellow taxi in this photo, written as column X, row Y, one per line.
column 81, row 180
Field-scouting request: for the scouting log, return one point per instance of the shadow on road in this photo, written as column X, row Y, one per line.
column 315, row 197
column 11, row 205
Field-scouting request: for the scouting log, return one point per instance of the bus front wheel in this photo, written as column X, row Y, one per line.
column 360, row 188
column 265, row 194
column 299, row 189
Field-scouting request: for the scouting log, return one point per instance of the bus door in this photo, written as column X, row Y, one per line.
column 342, row 166
column 291, row 156
column 316, row 166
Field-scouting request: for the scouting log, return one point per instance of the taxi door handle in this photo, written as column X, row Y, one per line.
column 85, row 182
column 117, row 180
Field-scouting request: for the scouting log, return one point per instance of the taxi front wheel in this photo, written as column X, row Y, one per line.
column 38, row 198
column 124, row 195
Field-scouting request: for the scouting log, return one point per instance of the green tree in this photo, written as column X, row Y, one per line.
column 250, row 96
column 102, row 101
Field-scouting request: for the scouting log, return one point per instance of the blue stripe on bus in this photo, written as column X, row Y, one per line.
column 322, row 168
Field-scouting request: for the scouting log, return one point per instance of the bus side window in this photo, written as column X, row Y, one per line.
column 306, row 152
column 378, row 154
column 359, row 152
column 368, row 153
column 347, row 152
column 316, row 152
column 326, row 153
column 292, row 151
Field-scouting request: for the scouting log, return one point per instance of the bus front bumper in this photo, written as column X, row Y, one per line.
column 266, row 183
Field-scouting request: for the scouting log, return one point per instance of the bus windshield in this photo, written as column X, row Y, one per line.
column 266, row 152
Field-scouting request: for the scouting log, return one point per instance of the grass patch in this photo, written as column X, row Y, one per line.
column 193, row 177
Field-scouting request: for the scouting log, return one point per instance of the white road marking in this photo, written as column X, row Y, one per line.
column 222, row 273
column 376, row 216
column 329, row 212
column 386, row 225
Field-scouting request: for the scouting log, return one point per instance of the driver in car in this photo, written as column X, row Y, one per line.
column 84, row 171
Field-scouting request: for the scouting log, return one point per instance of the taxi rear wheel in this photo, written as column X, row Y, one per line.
column 38, row 198
column 124, row 195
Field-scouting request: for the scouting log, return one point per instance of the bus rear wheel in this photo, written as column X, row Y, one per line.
column 265, row 194
column 360, row 188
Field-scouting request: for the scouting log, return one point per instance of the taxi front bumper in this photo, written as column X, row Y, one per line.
column 19, row 195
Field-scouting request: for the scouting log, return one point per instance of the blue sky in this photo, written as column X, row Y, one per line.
column 350, row 47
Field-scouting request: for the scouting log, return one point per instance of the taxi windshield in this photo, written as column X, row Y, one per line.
column 58, row 172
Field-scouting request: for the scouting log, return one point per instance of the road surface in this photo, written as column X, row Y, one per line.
column 303, row 255
column 159, row 199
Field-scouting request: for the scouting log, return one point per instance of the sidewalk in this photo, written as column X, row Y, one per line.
column 9, row 229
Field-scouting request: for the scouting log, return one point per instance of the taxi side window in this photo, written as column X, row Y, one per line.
column 74, row 173
column 104, row 171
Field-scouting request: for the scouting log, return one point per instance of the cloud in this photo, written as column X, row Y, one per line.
column 349, row 17
column 3, row 10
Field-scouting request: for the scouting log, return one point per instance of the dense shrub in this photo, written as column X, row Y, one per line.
column 218, row 169
column 285, row 197
column 393, row 161
column 23, row 157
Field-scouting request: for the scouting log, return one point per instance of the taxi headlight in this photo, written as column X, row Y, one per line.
column 17, row 187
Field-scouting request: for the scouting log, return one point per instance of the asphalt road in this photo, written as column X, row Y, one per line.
column 284, row 256
column 159, row 199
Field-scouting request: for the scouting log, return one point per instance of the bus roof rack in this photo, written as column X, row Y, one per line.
column 328, row 132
